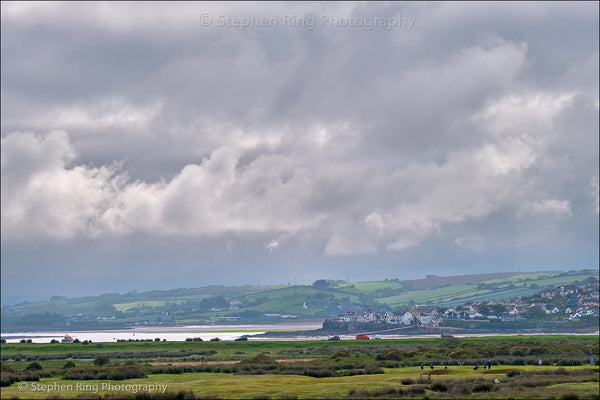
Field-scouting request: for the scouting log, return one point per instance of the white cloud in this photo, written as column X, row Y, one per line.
column 523, row 114
column 552, row 206
column 42, row 195
column 373, row 146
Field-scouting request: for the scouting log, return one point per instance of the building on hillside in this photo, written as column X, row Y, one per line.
column 566, row 289
column 389, row 317
column 407, row 319
column 348, row 317
column 549, row 293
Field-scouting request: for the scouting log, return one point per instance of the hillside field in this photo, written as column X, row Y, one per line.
column 264, row 304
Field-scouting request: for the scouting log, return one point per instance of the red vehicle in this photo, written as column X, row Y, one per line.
column 362, row 337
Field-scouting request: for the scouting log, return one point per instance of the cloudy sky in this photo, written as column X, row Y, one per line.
column 164, row 145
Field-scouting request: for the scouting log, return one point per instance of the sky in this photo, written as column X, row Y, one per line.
column 166, row 145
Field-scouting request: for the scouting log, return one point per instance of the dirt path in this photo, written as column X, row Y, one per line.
column 225, row 362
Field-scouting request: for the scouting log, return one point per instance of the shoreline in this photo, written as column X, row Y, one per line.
column 254, row 332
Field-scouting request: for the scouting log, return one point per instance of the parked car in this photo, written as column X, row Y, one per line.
column 334, row 338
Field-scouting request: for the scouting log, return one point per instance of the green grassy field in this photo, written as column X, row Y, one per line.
column 496, row 288
column 149, row 303
column 375, row 285
column 303, row 387
column 399, row 377
column 310, row 348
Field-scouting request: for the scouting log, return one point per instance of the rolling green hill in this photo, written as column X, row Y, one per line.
column 250, row 303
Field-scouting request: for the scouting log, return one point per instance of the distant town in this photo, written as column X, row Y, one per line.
column 562, row 303
column 548, row 309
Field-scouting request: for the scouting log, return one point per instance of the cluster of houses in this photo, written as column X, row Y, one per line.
column 570, row 301
column 430, row 317
column 564, row 302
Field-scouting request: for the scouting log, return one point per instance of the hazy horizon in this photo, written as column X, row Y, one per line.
column 165, row 145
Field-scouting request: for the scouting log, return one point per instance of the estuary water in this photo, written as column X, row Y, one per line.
column 170, row 333
column 223, row 332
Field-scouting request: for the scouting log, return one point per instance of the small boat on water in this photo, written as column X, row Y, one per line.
column 67, row 339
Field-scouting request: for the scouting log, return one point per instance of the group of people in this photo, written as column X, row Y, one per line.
column 488, row 365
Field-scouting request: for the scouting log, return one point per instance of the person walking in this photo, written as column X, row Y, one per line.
column 592, row 361
column 540, row 362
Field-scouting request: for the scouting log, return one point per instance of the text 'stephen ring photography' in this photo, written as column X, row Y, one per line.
column 305, row 200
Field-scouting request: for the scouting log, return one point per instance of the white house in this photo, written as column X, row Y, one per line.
column 407, row 318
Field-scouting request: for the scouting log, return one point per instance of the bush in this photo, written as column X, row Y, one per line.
column 6, row 380
column 358, row 394
column 519, row 352
column 125, row 372
column 110, row 373
column 101, row 360
column 460, row 388
column 320, row 373
column 352, row 372
column 340, row 354
column 34, row 366
column 407, row 381
column 483, row 387
column 69, row 364
column 561, row 371
column 415, row 390
column 570, row 396
column 391, row 354
column 261, row 358
column 439, row 386
column 371, row 369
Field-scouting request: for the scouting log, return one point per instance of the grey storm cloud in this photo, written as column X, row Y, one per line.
column 169, row 120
